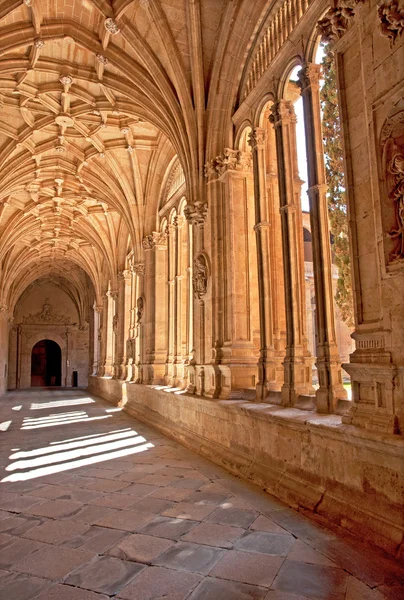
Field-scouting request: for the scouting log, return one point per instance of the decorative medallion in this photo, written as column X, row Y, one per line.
column 111, row 26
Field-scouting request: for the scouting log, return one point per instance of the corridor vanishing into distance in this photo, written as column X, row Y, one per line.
column 96, row 504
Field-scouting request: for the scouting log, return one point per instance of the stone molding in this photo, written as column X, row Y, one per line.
column 229, row 160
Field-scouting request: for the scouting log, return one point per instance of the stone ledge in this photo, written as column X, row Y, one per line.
column 352, row 477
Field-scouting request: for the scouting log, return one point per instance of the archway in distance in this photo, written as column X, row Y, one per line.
column 46, row 364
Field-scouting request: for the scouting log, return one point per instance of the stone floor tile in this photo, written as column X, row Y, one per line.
column 171, row 493
column 53, row 562
column 189, row 483
column 55, row 509
column 208, row 498
column 262, row 523
column 15, row 586
column 303, row 553
column 312, row 581
column 195, row 558
column 127, row 520
column 16, row 549
column 92, row 514
column 220, row 589
column 393, row 591
column 20, row 503
column 11, row 523
column 158, row 479
column 168, row 527
column 139, row 489
column 105, row 575
column 358, row 590
column 76, row 495
column 232, row 516
column 107, row 485
column 266, row 543
column 248, row 567
column 151, row 505
column 50, row 491
column 56, row 532
column 153, row 582
column 274, row 595
column 222, row 536
column 66, row 592
column 97, row 539
column 114, row 500
column 188, row 510
column 140, row 548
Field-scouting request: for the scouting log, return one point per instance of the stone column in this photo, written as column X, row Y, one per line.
column 111, row 325
column 267, row 365
column 199, row 336
column 122, row 325
column 172, row 301
column 134, row 343
column 97, row 338
column 298, row 362
column 182, row 304
column 328, row 362
column 155, row 246
column 239, row 324
column 102, row 333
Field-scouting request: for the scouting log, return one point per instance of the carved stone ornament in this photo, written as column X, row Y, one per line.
column 257, row 138
column 391, row 17
column 157, row 238
column 47, row 316
column 138, row 268
column 102, row 59
column 230, row 160
column 111, row 26
column 196, row 213
column 395, row 170
column 115, row 323
column 337, row 20
column 130, row 348
column 200, row 276
column 140, row 308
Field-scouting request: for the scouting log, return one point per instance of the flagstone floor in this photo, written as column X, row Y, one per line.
column 97, row 505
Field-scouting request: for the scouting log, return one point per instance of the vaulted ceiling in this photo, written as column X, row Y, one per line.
column 97, row 97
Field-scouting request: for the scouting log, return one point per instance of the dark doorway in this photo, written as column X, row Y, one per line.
column 46, row 364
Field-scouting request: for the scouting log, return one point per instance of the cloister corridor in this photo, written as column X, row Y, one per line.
column 97, row 505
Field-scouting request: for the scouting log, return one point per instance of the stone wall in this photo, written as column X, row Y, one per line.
column 352, row 477
column 60, row 323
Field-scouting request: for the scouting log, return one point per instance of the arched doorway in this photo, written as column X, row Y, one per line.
column 46, row 364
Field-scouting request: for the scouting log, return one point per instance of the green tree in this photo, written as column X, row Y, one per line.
column 334, row 167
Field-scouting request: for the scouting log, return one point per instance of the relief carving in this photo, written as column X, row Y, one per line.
column 229, row 160
column 47, row 316
column 200, row 276
column 391, row 17
column 140, row 308
column 395, row 169
column 196, row 213
column 337, row 20
column 157, row 238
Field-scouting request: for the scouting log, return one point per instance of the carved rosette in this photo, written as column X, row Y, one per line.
column 337, row 20
column 157, row 238
column 391, row 17
column 229, row 160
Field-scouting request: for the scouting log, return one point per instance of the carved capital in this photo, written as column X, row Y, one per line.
column 281, row 112
column 337, row 20
column 229, row 160
column 257, row 138
column 309, row 76
column 196, row 213
column 138, row 268
column 122, row 275
column 391, row 17
column 157, row 238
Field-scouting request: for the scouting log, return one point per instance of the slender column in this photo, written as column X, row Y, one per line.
column 155, row 246
column 112, row 321
column 97, row 338
column 328, row 362
column 172, row 300
column 122, row 325
column 103, row 335
column 266, row 364
column 298, row 362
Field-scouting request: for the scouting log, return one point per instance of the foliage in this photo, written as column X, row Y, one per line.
column 334, row 166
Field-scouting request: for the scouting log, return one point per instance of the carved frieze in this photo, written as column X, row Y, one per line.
column 391, row 16
column 337, row 20
column 229, row 160
column 200, row 276
column 47, row 316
